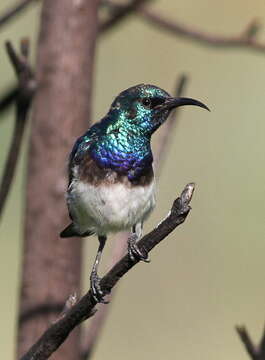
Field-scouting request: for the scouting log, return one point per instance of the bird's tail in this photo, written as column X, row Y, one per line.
column 70, row 231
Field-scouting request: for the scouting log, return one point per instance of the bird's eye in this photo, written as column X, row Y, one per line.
column 146, row 103
column 150, row 103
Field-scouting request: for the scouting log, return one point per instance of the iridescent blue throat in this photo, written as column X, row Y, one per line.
column 123, row 148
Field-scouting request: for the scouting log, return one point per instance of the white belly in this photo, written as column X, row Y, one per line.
column 109, row 208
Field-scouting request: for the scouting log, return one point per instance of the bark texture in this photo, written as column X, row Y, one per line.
column 51, row 266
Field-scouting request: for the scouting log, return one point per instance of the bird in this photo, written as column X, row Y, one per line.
column 111, row 178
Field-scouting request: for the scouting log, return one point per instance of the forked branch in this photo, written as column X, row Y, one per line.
column 256, row 352
column 24, row 93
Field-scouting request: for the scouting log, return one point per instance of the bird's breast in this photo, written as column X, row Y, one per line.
column 106, row 200
column 110, row 207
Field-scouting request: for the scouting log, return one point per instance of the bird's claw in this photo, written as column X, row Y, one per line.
column 96, row 290
column 133, row 250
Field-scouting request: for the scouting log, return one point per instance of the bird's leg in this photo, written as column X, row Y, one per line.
column 133, row 250
column 94, row 278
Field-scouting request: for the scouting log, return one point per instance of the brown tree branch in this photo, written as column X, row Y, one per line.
column 14, row 10
column 24, row 94
column 245, row 40
column 262, row 345
column 56, row 334
column 119, row 14
column 245, row 338
column 256, row 352
column 8, row 98
column 91, row 335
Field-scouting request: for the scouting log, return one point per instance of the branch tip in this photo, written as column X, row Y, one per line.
column 248, row 343
column 14, row 58
column 252, row 29
column 24, row 46
column 187, row 193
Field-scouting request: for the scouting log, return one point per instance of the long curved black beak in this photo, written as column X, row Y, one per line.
column 172, row 103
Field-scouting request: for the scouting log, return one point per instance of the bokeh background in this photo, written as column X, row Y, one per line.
column 208, row 275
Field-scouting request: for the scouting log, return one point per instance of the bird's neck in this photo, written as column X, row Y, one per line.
column 124, row 150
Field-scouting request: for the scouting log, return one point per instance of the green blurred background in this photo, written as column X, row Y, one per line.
column 209, row 274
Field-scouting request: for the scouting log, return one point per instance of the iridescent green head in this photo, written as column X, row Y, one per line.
column 123, row 135
column 146, row 107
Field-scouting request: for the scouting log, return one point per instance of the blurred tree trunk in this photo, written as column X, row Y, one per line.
column 61, row 109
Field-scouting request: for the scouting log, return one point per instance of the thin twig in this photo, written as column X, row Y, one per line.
column 245, row 40
column 14, row 10
column 8, row 98
column 120, row 13
column 11, row 161
column 262, row 345
column 255, row 352
column 245, row 338
column 27, row 85
column 12, row 92
column 91, row 335
column 54, row 336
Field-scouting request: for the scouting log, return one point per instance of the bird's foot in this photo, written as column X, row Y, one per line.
column 133, row 250
column 96, row 290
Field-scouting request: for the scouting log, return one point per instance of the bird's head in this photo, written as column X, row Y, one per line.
column 145, row 107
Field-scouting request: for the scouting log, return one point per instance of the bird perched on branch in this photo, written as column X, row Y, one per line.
column 111, row 180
